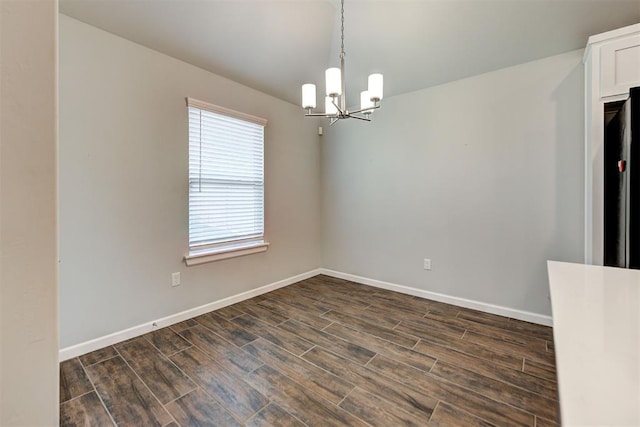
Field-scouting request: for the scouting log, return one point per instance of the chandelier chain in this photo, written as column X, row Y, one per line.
column 342, row 29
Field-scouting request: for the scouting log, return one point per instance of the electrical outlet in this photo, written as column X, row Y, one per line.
column 427, row 264
column 175, row 279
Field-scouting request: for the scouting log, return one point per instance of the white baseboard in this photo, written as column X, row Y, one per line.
column 116, row 337
column 527, row 316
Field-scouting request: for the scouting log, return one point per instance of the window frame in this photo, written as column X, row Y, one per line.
column 233, row 248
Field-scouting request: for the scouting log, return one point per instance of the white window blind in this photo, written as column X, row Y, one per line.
column 226, row 177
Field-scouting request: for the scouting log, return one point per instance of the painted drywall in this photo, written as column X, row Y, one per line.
column 484, row 176
column 123, row 186
column 28, row 238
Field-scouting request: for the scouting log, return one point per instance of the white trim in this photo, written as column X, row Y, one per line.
column 191, row 102
column 460, row 302
column 116, row 337
column 224, row 252
column 608, row 36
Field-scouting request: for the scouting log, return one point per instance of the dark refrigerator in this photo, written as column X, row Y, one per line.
column 622, row 182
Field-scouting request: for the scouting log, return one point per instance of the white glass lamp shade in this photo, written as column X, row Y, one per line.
column 308, row 96
column 329, row 107
column 334, row 82
column 365, row 101
column 375, row 87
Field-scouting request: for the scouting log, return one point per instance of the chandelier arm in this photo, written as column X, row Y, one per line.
column 316, row 115
column 342, row 110
column 365, row 109
column 351, row 116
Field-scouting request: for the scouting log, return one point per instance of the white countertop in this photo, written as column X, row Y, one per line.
column 596, row 329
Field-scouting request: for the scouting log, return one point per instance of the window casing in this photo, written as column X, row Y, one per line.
column 226, row 183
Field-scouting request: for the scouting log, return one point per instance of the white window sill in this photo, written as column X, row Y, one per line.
column 225, row 252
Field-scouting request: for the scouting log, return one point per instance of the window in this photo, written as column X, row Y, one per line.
column 226, row 183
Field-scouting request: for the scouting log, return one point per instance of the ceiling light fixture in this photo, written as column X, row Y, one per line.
column 335, row 101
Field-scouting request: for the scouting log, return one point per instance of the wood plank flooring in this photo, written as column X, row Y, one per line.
column 321, row 352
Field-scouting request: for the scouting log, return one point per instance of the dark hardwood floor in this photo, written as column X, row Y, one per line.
column 322, row 352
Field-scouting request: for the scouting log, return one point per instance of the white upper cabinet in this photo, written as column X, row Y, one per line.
column 612, row 66
column 620, row 62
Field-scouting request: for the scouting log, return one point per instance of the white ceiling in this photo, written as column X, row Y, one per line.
column 276, row 45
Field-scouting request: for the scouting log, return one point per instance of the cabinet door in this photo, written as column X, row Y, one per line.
column 620, row 67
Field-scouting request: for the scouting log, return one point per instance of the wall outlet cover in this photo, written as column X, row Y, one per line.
column 175, row 279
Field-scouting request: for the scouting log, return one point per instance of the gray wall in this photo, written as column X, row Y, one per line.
column 28, row 238
column 483, row 175
column 123, row 186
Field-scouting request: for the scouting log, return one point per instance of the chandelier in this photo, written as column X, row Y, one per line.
column 335, row 103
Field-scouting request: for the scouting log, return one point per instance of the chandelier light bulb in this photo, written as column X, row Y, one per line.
column 375, row 87
column 334, row 81
column 308, row 96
